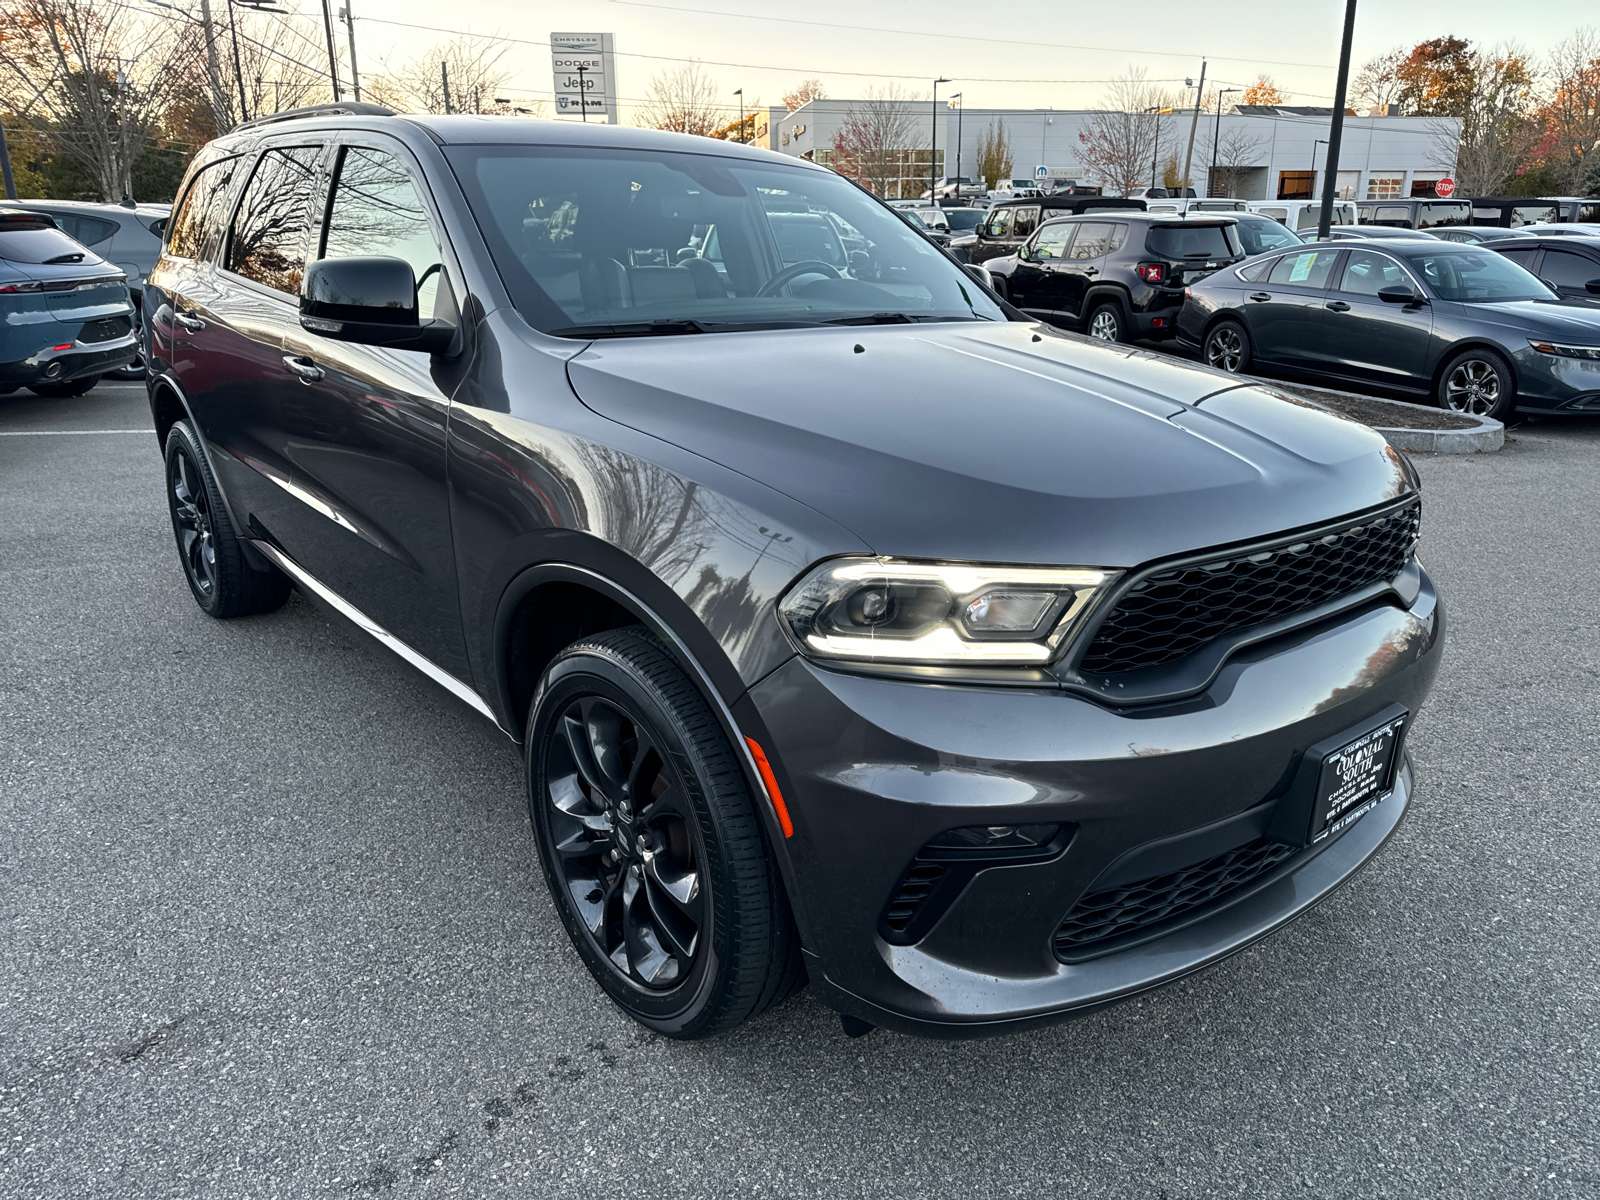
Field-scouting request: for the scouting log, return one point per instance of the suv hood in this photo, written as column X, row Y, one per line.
column 1002, row 442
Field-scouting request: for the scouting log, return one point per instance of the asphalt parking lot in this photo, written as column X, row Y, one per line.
column 273, row 924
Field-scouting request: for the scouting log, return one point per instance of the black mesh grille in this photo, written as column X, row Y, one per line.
column 105, row 329
column 1117, row 911
column 1170, row 613
column 913, row 890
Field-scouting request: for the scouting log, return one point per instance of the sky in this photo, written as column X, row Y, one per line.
column 996, row 55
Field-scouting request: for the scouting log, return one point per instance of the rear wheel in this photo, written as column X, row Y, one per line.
column 214, row 562
column 1478, row 382
column 1227, row 347
column 1107, row 324
column 73, row 387
column 651, row 843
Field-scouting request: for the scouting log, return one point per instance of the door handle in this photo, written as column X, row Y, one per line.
column 1260, row 296
column 1092, row 271
column 302, row 366
column 189, row 321
column 1338, row 306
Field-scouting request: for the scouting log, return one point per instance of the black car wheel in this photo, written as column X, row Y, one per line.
column 58, row 391
column 1227, row 348
column 1106, row 324
column 651, row 843
column 220, row 576
column 1478, row 382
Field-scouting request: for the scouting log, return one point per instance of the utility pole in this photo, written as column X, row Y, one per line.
column 1194, row 124
column 333, row 52
column 1336, row 132
column 219, row 103
column 444, row 77
column 933, row 150
column 957, row 107
column 350, row 33
column 238, row 68
column 1216, row 136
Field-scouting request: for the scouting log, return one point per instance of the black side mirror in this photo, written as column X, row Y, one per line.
column 1399, row 294
column 980, row 273
column 370, row 300
column 1593, row 287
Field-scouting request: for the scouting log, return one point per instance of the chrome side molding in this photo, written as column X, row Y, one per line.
column 421, row 662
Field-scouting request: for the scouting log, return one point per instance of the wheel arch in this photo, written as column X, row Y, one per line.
column 1448, row 355
column 1099, row 293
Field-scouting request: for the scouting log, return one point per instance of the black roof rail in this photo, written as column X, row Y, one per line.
column 347, row 108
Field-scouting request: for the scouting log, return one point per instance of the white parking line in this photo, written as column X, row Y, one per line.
column 65, row 432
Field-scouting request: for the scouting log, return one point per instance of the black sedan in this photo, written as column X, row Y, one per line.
column 1461, row 324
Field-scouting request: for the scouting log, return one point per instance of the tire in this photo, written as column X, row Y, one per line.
column 676, row 907
column 58, row 391
column 1107, row 324
column 224, row 583
column 1477, row 381
column 1227, row 347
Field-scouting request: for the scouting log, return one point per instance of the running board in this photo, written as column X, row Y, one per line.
column 344, row 608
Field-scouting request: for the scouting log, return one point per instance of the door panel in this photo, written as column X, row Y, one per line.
column 1284, row 311
column 1370, row 340
column 1035, row 282
column 1085, row 260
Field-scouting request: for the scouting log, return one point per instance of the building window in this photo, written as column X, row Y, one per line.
column 1296, row 185
column 1385, row 187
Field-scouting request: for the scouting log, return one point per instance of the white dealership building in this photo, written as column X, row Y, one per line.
column 1266, row 151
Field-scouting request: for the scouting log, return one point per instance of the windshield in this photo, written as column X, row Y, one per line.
column 1470, row 275
column 1260, row 236
column 963, row 219
column 593, row 241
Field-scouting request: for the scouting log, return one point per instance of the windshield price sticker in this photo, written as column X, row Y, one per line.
column 1354, row 778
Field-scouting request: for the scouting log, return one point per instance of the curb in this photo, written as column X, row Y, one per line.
column 1488, row 436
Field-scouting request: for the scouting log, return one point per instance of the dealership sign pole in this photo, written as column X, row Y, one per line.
column 1336, row 131
column 584, row 65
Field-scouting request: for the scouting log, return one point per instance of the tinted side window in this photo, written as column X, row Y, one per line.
column 193, row 230
column 1024, row 223
column 1255, row 271
column 1052, row 241
column 376, row 210
column 1307, row 269
column 268, row 239
column 1093, row 240
column 1568, row 270
column 1523, row 256
column 91, row 231
column 1365, row 272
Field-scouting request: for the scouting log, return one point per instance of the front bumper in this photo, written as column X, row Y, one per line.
column 1554, row 384
column 61, row 366
column 873, row 768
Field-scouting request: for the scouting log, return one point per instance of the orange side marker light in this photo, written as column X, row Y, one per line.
column 771, row 782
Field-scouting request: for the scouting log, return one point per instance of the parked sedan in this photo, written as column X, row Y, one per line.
column 1459, row 323
column 67, row 316
column 1340, row 233
column 1570, row 267
column 1477, row 235
column 1572, row 231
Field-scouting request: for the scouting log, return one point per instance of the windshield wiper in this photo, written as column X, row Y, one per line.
column 877, row 318
column 634, row 329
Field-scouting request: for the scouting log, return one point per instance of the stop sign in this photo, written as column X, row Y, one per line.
column 1445, row 187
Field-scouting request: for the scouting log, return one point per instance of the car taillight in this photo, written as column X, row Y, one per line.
column 29, row 285
column 1152, row 272
column 1188, row 293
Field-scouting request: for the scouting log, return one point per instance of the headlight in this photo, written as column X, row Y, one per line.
column 1561, row 351
column 948, row 614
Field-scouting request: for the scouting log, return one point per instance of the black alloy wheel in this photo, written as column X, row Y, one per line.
column 219, row 573
column 1106, row 324
column 1479, row 383
column 1227, row 348
column 651, row 843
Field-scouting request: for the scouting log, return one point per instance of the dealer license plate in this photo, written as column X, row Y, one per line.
column 1355, row 777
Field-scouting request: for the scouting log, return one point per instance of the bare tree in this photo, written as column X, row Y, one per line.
column 95, row 78
column 808, row 91
column 1378, row 82
column 280, row 71
column 1496, row 131
column 1119, row 140
column 1234, row 151
column 1572, row 115
column 683, row 99
column 995, row 159
column 475, row 67
column 873, row 145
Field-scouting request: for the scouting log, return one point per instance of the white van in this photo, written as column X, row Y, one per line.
column 1303, row 214
column 1176, row 205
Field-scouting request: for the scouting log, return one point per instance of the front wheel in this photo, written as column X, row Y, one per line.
column 1227, row 348
column 651, row 843
column 1477, row 382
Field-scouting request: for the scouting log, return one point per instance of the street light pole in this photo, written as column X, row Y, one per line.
column 1336, row 130
column 1317, row 142
column 740, row 93
column 1155, row 152
column 1194, row 124
column 1216, row 136
column 957, row 107
column 933, row 145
